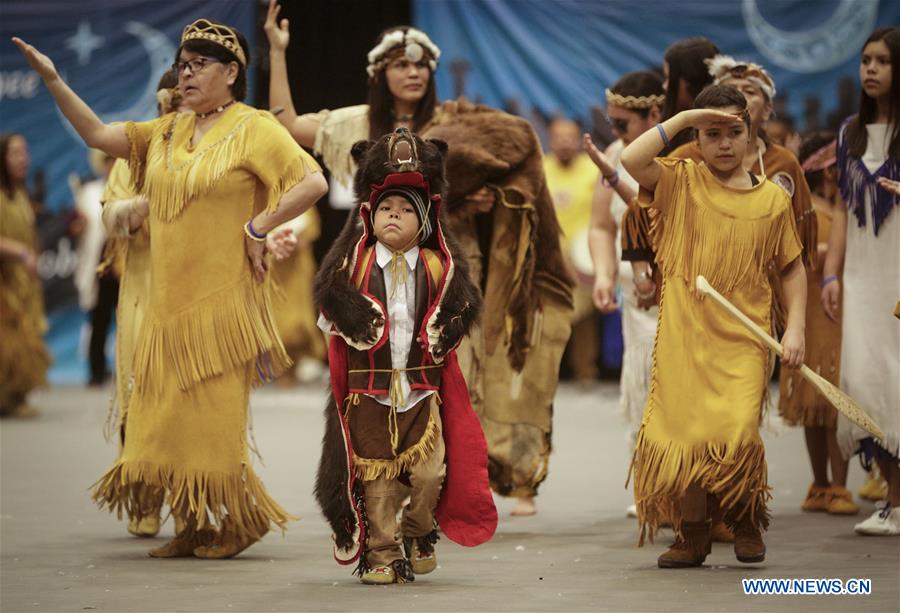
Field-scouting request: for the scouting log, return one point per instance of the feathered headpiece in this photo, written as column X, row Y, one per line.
column 724, row 67
column 416, row 45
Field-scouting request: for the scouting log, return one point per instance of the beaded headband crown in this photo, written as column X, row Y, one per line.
column 723, row 67
column 634, row 102
column 415, row 44
column 222, row 35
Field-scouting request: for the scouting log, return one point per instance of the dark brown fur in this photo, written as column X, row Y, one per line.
column 490, row 147
column 345, row 306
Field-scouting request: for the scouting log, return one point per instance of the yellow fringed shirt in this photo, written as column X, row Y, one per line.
column 206, row 313
column 709, row 376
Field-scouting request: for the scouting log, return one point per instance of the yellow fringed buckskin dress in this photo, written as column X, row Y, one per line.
column 133, row 253
column 799, row 403
column 709, row 375
column 208, row 332
column 292, row 299
column 24, row 358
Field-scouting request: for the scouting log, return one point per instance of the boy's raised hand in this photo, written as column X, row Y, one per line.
column 704, row 119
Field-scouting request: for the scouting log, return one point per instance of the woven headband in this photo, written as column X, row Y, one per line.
column 634, row 102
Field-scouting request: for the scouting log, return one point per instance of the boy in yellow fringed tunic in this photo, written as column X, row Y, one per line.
column 699, row 440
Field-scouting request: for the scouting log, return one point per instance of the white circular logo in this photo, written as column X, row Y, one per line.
column 818, row 49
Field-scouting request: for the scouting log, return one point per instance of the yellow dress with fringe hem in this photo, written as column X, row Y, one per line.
column 292, row 300
column 24, row 358
column 709, row 373
column 134, row 285
column 799, row 403
column 208, row 333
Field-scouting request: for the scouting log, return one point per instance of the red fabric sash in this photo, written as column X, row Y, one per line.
column 466, row 511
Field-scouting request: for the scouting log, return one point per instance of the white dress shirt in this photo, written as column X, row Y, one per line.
column 401, row 315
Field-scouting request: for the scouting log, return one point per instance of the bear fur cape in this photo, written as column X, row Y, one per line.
column 465, row 512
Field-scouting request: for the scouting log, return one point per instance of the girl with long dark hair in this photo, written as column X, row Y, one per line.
column 865, row 241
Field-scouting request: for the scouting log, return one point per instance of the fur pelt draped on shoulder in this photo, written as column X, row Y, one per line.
column 490, row 148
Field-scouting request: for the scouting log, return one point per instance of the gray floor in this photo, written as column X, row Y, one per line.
column 59, row 553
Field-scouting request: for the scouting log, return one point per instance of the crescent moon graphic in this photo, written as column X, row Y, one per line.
column 818, row 49
column 160, row 52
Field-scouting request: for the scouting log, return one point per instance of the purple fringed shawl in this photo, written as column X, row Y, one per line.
column 856, row 182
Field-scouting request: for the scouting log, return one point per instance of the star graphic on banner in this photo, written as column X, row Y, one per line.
column 84, row 42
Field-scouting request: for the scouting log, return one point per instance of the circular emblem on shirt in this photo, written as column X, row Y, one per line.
column 785, row 182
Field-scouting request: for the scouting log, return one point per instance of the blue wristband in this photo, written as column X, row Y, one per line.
column 662, row 133
column 828, row 280
column 253, row 231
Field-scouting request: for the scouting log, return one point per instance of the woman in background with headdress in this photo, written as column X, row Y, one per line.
column 685, row 75
column 633, row 105
column 128, row 253
column 498, row 197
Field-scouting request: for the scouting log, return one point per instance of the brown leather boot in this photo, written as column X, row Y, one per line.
column 183, row 545
column 720, row 532
column 748, row 544
column 228, row 543
column 690, row 550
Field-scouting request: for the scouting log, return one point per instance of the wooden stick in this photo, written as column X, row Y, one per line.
column 825, row 387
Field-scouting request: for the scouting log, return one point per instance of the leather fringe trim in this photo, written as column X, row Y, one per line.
column 215, row 335
column 367, row 469
column 729, row 252
column 240, row 497
column 171, row 191
column 735, row 473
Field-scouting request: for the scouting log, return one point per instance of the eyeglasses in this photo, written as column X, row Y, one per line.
column 618, row 124
column 196, row 65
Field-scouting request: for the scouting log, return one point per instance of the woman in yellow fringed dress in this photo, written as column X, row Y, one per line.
column 24, row 358
column 295, row 313
column 208, row 333
column 127, row 253
column 700, row 433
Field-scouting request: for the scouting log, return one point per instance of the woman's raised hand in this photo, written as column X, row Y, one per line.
column 889, row 185
column 41, row 64
column 597, row 156
column 277, row 32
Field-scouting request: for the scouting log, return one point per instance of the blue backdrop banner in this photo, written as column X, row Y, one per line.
column 112, row 53
column 558, row 56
